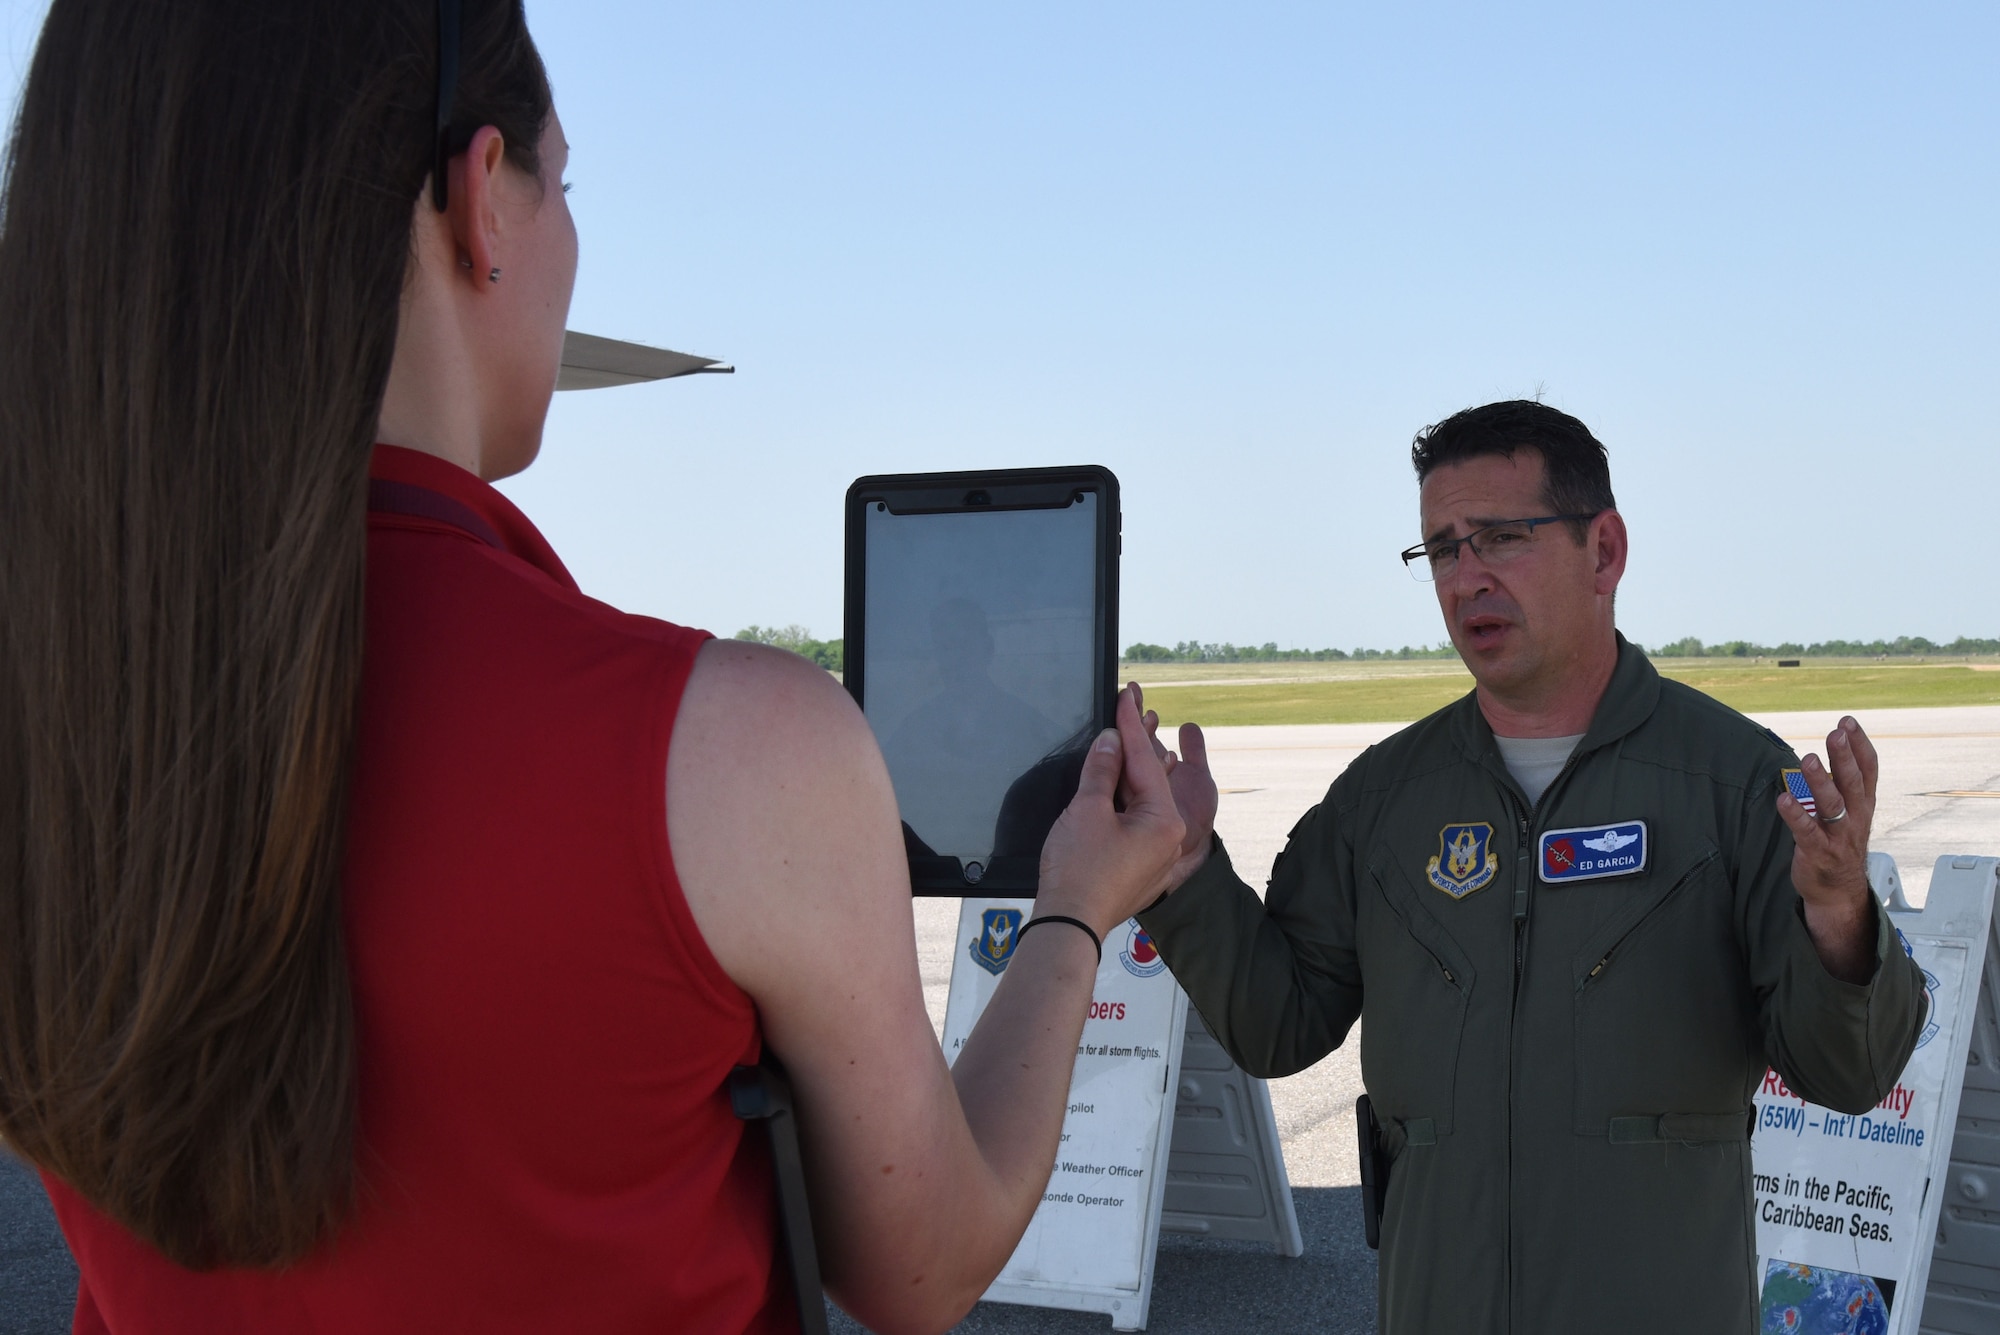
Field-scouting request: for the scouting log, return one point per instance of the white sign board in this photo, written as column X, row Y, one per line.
column 1091, row 1244
column 1846, row 1211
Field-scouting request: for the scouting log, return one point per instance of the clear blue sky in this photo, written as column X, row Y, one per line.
column 1239, row 254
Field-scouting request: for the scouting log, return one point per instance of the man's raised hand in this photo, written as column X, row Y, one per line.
column 1830, row 853
column 1195, row 795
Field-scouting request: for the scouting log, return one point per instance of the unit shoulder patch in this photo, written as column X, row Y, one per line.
column 1465, row 860
column 1593, row 852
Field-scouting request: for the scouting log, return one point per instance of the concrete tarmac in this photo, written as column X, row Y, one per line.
column 1939, row 794
column 1203, row 1285
column 37, row 1277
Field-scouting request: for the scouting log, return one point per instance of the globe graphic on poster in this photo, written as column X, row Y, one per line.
column 1811, row 1300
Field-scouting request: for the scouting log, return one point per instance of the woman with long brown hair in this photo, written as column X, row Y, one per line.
column 379, row 916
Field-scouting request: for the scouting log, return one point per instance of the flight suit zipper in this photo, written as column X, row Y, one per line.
column 1524, row 890
column 1523, row 879
column 1524, row 870
column 1521, row 905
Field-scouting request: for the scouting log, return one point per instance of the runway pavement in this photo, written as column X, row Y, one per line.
column 1270, row 777
column 37, row 1278
column 1208, row 1286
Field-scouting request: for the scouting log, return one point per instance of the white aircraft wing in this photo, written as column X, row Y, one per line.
column 590, row 362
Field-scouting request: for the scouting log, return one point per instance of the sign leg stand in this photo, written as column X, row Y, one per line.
column 1227, row 1177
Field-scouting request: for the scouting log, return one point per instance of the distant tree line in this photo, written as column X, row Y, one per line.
column 829, row 654
column 1903, row 646
column 1906, row 646
column 1192, row 651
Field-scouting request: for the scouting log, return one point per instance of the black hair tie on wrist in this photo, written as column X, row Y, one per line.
column 1095, row 943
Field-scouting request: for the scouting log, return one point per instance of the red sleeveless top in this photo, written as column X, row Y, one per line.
column 546, row 1141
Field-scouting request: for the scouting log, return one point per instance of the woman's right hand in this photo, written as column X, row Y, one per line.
column 1101, row 864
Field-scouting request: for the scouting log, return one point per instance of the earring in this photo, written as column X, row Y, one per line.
column 493, row 277
column 465, row 262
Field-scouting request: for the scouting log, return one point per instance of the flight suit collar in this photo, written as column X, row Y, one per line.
column 1629, row 700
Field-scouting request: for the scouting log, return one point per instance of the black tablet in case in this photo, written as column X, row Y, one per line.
column 982, row 643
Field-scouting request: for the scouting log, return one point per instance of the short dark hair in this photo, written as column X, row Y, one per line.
column 1579, row 472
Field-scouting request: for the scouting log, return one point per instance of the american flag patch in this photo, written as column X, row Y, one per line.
column 1801, row 791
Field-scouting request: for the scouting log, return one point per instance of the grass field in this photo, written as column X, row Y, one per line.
column 1237, row 694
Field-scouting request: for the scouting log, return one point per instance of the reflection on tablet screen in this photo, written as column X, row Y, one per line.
column 981, row 636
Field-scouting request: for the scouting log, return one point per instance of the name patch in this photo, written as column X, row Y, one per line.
column 1592, row 852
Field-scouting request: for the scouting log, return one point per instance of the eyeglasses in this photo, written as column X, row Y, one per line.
column 447, row 93
column 1495, row 544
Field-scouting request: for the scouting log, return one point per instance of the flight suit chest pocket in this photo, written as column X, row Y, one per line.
column 1662, row 1007
column 1417, row 983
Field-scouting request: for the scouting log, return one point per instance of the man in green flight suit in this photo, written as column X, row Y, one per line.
column 1581, row 911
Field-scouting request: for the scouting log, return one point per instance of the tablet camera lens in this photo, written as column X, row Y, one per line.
column 973, row 871
column 978, row 498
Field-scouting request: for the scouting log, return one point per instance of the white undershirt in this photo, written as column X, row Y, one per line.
column 1535, row 761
